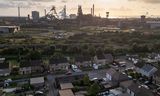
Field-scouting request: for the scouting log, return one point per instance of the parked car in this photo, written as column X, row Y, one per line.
column 69, row 73
column 123, row 65
column 19, row 91
column 146, row 82
column 39, row 93
column 145, row 86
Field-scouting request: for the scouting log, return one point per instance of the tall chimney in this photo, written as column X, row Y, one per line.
column 93, row 10
column 19, row 13
column 45, row 12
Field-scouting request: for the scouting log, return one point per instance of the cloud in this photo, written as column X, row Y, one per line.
column 14, row 3
column 122, row 8
column 32, row 0
column 26, row 3
column 148, row 1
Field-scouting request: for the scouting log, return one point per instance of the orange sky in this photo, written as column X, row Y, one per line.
column 117, row 8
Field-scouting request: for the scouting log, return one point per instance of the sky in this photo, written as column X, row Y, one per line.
column 117, row 8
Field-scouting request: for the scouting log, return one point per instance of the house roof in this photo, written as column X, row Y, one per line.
column 4, row 71
column 117, row 76
column 157, row 73
column 82, row 58
column 36, row 62
column 124, row 94
column 4, row 65
column 136, row 88
column 25, row 64
column 30, row 63
column 139, row 65
column 126, row 84
column 111, row 71
column 144, row 92
column 101, row 56
column 2, row 60
column 139, row 91
column 37, row 80
column 67, row 92
column 149, row 68
column 108, row 56
column 66, row 85
column 58, row 61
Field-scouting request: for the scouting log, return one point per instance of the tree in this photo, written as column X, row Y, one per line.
column 34, row 55
column 58, row 55
column 140, row 48
column 92, row 51
column 15, row 71
column 94, row 89
column 86, row 80
column 99, row 51
column 48, row 51
column 46, row 63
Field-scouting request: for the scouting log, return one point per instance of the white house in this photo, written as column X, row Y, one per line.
column 110, row 73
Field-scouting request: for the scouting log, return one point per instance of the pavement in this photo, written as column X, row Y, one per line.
column 51, row 84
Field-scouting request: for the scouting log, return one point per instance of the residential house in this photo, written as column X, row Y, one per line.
column 37, row 66
column 25, row 68
column 66, row 89
column 66, row 86
column 59, row 64
column 100, row 60
column 146, row 70
column 131, row 88
column 109, row 74
column 69, row 78
column 67, row 92
column 2, row 60
column 37, row 82
column 115, row 77
column 82, row 61
column 156, row 77
column 109, row 58
column 28, row 67
column 4, row 69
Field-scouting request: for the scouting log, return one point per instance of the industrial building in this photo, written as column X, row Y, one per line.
column 9, row 29
column 72, row 16
column 35, row 15
column 153, row 24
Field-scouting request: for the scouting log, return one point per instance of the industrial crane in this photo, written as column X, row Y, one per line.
column 52, row 14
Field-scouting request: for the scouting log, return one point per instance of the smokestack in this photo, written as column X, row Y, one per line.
column 107, row 14
column 28, row 17
column 19, row 14
column 93, row 10
column 65, row 11
column 45, row 12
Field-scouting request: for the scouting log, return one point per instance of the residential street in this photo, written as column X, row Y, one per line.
column 51, row 83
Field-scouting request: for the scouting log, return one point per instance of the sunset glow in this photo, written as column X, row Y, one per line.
column 117, row 8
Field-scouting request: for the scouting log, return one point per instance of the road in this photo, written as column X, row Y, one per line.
column 128, row 64
column 51, row 84
column 99, row 74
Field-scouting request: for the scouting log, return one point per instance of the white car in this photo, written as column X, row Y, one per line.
column 145, row 86
column 8, row 80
